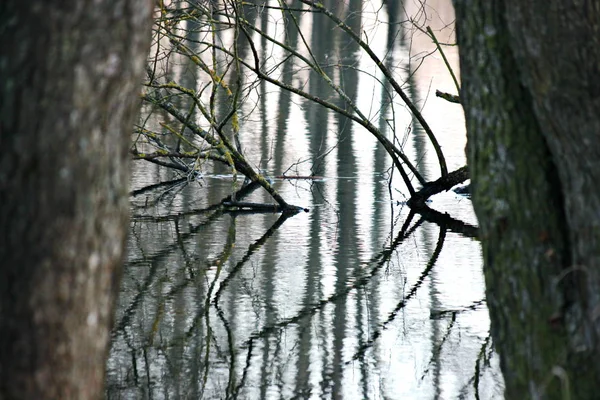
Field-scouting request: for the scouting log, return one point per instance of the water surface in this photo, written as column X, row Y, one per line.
column 357, row 299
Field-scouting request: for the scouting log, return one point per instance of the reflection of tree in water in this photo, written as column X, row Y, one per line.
column 182, row 316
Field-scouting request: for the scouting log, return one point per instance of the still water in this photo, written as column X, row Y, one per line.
column 357, row 298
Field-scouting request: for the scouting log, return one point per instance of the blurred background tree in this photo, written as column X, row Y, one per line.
column 70, row 74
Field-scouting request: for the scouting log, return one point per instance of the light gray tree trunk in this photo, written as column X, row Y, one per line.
column 531, row 94
column 70, row 73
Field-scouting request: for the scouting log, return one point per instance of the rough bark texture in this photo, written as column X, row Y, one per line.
column 70, row 74
column 531, row 94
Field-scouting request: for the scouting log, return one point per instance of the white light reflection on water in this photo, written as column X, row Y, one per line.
column 341, row 302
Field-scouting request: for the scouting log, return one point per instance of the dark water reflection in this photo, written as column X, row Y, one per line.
column 218, row 305
column 356, row 299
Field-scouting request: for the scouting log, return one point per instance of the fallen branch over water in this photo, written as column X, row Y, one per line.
column 310, row 177
column 443, row 184
column 452, row 98
column 245, row 206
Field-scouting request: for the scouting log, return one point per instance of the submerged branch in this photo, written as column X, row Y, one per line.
column 260, row 207
column 441, row 185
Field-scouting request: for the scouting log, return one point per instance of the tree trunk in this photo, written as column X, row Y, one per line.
column 70, row 72
column 531, row 94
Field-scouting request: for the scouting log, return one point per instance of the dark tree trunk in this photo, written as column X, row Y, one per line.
column 531, row 94
column 70, row 73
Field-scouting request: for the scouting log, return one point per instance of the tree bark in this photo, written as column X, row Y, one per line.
column 70, row 72
column 531, row 95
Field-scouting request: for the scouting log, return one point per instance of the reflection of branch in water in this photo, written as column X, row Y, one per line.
column 484, row 356
column 381, row 259
column 478, row 365
column 151, row 278
column 193, row 229
column 413, row 291
column 154, row 262
column 244, row 373
column 221, row 259
column 202, row 311
column 128, row 313
column 166, row 186
column 251, row 250
column 240, row 194
column 437, row 349
column 149, row 188
column 452, row 314
column 449, row 223
column 442, row 313
column 174, row 217
column 186, row 257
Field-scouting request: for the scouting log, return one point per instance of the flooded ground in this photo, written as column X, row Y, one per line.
column 357, row 299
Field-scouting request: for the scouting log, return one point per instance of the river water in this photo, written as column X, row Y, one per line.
column 356, row 299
